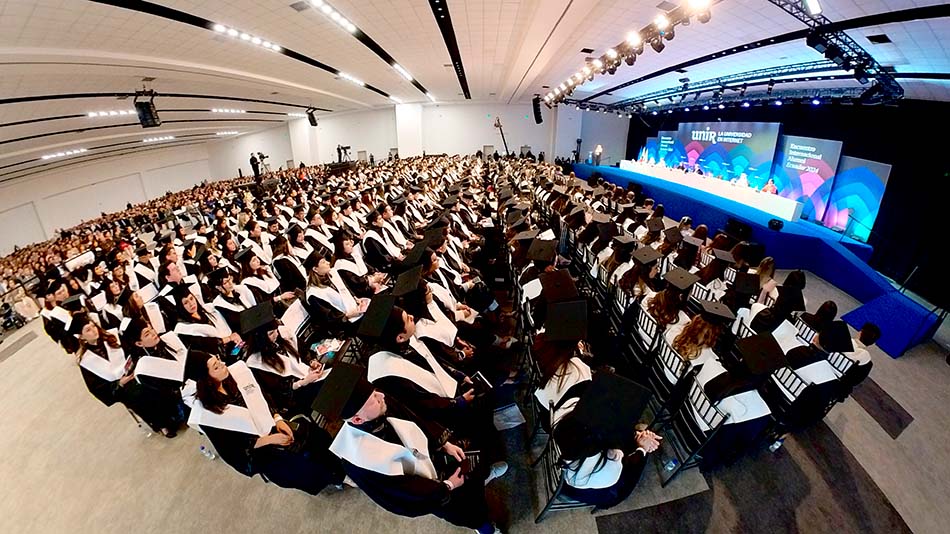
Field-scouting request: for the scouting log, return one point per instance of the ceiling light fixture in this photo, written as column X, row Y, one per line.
column 334, row 15
column 396, row 100
column 157, row 139
column 112, row 113
column 226, row 133
column 403, row 72
column 223, row 110
column 431, row 97
column 297, row 115
column 353, row 79
column 661, row 22
column 611, row 53
column 812, row 7
column 222, row 29
column 72, row 152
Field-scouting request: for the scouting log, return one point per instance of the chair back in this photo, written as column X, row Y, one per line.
column 805, row 331
column 790, row 380
column 840, row 362
column 729, row 275
column 743, row 330
column 699, row 292
column 647, row 328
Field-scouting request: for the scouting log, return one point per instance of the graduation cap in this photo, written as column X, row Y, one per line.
column 270, row 220
column 723, row 255
column 165, row 238
column 761, row 353
column 132, row 333
column 558, row 286
column 526, row 235
column 142, row 251
column 560, row 190
column 673, row 235
column 255, row 317
column 646, row 255
column 241, row 253
column 344, row 392
column 450, row 202
column 514, row 215
column 541, row 250
column 505, row 194
column 655, row 224
column 680, row 278
column 414, row 255
column 623, row 242
column 716, row 312
column 510, row 202
column 566, row 321
column 836, row 337
column 692, row 241
column 374, row 321
column 188, row 243
column 746, row 284
column 217, row 276
column 77, row 323
column 600, row 218
column 73, row 303
column 196, row 364
column 408, row 281
column 610, row 407
column 519, row 222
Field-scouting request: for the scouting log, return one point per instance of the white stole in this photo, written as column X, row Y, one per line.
column 356, row 265
column 267, row 285
column 110, row 369
column 164, row 368
column 438, row 382
column 292, row 366
column 369, row 452
column 256, row 419
column 439, row 328
column 391, row 249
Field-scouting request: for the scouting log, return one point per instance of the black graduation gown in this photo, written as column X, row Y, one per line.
column 210, row 345
column 357, row 284
column 376, row 255
column 56, row 330
column 326, row 318
column 157, row 400
column 413, row 495
column 307, row 466
column 289, row 275
column 283, row 396
column 603, row 498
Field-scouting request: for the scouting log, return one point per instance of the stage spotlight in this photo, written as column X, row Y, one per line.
column 598, row 65
column 661, row 22
column 778, row 102
column 612, row 70
column 611, row 53
column 745, row 104
column 812, row 7
column 587, row 71
column 657, row 45
column 861, row 74
column 771, row 86
column 654, row 112
column 815, row 102
column 705, row 108
column 630, row 59
column 635, row 42
column 685, row 109
column 817, row 41
column 721, row 106
column 579, row 78
column 669, row 35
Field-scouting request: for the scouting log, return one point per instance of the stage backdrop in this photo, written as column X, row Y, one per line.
column 805, row 170
column 858, row 188
column 650, row 150
column 731, row 148
column 670, row 150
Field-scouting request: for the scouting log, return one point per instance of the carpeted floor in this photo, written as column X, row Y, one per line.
column 812, row 484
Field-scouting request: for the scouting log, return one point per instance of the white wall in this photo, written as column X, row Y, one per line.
column 300, row 142
column 31, row 209
column 568, row 131
column 465, row 128
column 606, row 130
column 373, row 131
column 409, row 130
column 226, row 156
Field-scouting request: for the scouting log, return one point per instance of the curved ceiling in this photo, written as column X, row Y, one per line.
column 61, row 59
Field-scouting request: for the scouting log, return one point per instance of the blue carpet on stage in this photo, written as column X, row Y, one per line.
column 798, row 245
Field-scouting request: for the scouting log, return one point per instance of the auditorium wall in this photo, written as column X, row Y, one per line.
column 607, row 130
column 373, row 131
column 226, row 156
column 33, row 208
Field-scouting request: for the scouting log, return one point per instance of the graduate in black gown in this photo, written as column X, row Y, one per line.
column 408, row 465
column 249, row 434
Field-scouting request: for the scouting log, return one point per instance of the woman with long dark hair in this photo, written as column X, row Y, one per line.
column 201, row 328
column 329, row 299
column 361, row 279
column 291, row 383
column 232, row 409
column 287, row 267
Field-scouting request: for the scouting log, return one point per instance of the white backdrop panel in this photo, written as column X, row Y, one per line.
column 173, row 178
column 27, row 224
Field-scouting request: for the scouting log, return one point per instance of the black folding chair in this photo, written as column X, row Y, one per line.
column 553, row 480
column 644, row 336
column 840, row 362
column 690, row 428
column 805, row 331
column 667, row 361
column 743, row 330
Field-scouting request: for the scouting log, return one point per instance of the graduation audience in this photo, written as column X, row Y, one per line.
column 220, row 307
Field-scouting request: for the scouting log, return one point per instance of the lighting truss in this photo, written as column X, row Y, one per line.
column 851, row 51
column 736, row 81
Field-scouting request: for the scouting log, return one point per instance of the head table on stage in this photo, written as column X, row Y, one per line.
column 775, row 205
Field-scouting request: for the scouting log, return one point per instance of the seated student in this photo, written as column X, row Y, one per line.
column 256, row 277
column 642, row 279
column 443, row 290
column 250, row 435
column 668, row 307
column 598, row 471
column 231, row 299
column 697, row 340
column 823, row 316
column 790, row 299
column 108, row 375
column 287, row 267
column 621, row 255
column 391, row 454
column 861, row 368
column 767, row 283
column 258, row 241
column 330, row 302
column 406, row 369
column 110, row 315
column 145, row 268
column 564, row 376
column 56, row 319
column 160, row 369
column 380, row 251
column 359, row 278
column 200, row 327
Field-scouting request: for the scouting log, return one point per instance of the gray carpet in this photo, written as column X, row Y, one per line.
column 812, row 484
column 888, row 413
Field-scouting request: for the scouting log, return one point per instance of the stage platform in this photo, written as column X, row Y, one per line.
column 798, row 245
